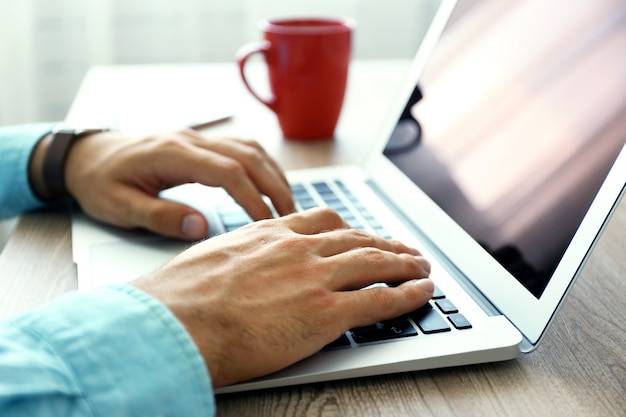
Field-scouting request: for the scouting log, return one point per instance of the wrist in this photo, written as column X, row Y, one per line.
column 35, row 168
column 47, row 166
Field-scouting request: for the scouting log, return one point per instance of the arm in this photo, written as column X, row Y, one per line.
column 114, row 351
column 116, row 178
column 241, row 305
column 16, row 148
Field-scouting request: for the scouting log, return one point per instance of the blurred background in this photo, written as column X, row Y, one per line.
column 47, row 46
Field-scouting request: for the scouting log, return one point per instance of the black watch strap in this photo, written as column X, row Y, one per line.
column 53, row 168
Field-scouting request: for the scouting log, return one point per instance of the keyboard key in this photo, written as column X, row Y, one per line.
column 392, row 329
column 342, row 186
column 343, row 212
column 307, row 203
column 233, row 227
column 323, row 189
column 359, row 206
column 382, row 233
column 459, row 321
column 446, row 306
column 427, row 306
column 336, row 204
column 415, row 315
column 340, row 342
column 355, row 224
column 429, row 321
column 438, row 293
column 298, row 189
column 233, row 216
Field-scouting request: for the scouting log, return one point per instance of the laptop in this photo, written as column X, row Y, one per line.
column 503, row 160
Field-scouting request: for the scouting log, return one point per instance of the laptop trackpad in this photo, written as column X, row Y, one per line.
column 123, row 261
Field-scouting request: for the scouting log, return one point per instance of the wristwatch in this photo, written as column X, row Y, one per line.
column 53, row 167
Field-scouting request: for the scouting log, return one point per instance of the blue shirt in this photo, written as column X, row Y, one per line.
column 112, row 351
column 16, row 146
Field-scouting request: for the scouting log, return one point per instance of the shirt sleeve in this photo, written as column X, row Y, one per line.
column 113, row 351
column 16, row 146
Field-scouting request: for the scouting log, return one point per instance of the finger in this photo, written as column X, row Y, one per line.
column 232, row 176
column 164, row 217
column 259, row 166
column 269, row 158
column 226, row 145
column 281, row 197
column 343, row 240
column 182, row 163
column 315, row 220
column 364, row 307
column 362, row 267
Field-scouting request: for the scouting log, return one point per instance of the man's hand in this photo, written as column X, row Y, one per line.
column 276, row 291
column 117, row 179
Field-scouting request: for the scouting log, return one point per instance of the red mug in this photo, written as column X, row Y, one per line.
column 307, row 61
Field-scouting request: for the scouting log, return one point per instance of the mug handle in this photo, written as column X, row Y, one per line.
column 242, row 56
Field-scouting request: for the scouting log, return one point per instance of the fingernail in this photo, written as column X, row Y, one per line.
column 192, row 227
column 427, row 285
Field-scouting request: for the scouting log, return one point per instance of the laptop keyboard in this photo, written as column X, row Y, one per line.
column 331, row 194
column 437, row 316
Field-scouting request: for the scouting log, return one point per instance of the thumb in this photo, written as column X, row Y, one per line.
column 172, row 219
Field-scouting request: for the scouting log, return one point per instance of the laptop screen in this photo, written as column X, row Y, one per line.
column 516, row 121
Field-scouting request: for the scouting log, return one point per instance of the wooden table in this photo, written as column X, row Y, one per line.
column 579, row 370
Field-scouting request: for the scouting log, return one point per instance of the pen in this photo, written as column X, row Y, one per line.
column 209, row 123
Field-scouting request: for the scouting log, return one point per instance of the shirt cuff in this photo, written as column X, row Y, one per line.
column 128, row 353
column 17, row 144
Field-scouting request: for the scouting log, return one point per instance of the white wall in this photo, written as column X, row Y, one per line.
column 46, row 46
